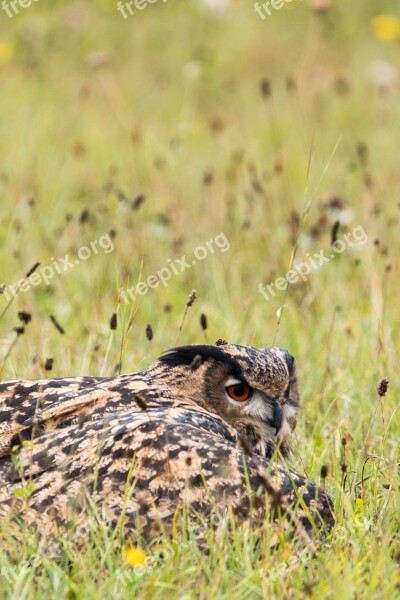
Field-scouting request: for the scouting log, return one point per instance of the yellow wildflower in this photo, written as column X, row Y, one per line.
column 134, row 556
column 386, row 28
column 360, row 505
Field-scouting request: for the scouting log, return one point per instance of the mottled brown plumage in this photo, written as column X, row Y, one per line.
column 142, row 446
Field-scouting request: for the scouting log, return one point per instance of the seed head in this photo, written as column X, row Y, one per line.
column 85, row 216
column 324, row 472
column 25, row 317
column 149, row 332
column 383, row 387
column 114, row 322
column 48, row 365
column 203, row 322
column 137, row 203
column 191, row 298
column 140, row 402
column 265, row 87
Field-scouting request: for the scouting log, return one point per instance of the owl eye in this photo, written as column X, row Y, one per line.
column 240, row 392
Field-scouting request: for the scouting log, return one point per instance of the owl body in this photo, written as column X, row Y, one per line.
column 202, row 430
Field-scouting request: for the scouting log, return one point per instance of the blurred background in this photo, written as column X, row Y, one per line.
column 175, row 124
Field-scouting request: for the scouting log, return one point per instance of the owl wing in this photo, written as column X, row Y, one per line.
column 144, row 466
column 29, row 409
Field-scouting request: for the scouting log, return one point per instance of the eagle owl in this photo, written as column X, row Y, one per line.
column 204, row 429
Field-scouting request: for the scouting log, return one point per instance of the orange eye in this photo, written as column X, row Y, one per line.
column 239, row 392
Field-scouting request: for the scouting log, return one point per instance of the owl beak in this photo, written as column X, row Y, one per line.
column 276, row 421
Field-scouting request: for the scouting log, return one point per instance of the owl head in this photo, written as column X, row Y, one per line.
column 254, row 390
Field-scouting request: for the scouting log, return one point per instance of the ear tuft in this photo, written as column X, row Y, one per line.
column 185, row 355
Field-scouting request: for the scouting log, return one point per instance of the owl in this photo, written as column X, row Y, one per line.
column 205, row 429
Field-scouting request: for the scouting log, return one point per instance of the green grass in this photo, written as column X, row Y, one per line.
column 96, row 110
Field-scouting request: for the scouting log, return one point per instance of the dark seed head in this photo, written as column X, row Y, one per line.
column 48, row 365
column 137, row 203
column 140, row 402
column 84, row 218
column 265, row 87
column 25, row 317
column 203, row 322
column 114, row 322
column 383, row 387
column 208, row 177
column 324, row 472
column 221, row 342
column 149, row 332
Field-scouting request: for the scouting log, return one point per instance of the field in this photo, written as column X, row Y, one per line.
column 224, row 150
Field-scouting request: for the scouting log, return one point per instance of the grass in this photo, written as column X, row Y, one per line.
column 97, row 111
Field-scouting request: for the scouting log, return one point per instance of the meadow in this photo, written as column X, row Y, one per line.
column 127, row 146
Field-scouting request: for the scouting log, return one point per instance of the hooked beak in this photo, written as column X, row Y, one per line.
column 276, row 421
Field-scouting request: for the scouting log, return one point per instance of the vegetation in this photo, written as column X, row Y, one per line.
column 158, row 133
